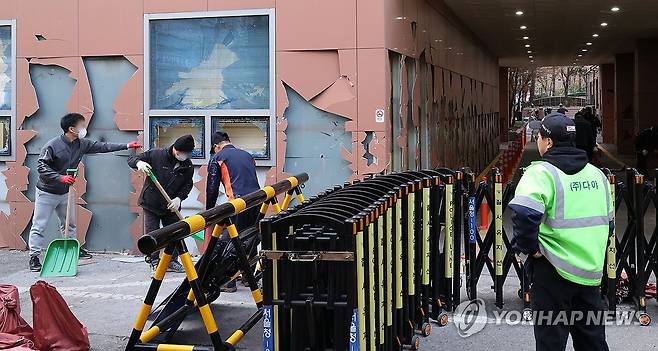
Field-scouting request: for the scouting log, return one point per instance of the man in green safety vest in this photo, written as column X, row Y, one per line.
column 562, row 216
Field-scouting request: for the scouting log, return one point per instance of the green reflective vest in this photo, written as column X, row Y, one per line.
column 577, row 212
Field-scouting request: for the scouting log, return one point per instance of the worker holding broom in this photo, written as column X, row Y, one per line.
column 57, row 156
column 173, row 169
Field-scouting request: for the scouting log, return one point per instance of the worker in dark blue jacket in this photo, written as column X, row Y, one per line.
column 235, row 170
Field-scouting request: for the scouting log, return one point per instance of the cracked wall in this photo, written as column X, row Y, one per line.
column 402, row 93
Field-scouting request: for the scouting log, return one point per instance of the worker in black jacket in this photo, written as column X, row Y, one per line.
column 173, row 169
column 585, row 132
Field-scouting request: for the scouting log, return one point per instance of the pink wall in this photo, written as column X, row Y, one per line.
column 334, row 53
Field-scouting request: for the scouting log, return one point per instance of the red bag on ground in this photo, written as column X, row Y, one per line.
column 55, row 326
column 11, row 321
column 15, row 342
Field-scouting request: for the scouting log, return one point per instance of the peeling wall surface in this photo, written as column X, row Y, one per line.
column 362, row 86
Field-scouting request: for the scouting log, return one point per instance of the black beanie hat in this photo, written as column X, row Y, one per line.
column 184, row 143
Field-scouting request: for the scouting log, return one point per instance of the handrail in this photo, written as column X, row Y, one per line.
column 160, row 238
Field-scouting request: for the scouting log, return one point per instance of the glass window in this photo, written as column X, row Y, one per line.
column 5, row 68
column 251, row 134
column 209, row 63
column 6, row 90
column 5, row 135
column 165, row 130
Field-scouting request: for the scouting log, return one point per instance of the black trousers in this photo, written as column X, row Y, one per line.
column 552, row 294
column 152, row 222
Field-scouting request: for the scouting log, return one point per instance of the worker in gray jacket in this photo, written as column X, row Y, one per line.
column 58, row 155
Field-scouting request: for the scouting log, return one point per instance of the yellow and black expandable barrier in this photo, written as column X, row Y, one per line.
column 194, row 289
column 354, row 267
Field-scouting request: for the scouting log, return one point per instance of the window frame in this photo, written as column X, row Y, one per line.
column 12, row 112
column 210, row 113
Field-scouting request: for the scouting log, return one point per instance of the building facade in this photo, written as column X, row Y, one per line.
column 337, row 89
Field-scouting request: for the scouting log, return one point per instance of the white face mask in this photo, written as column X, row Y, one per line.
column 82, row 132
column 182, row 157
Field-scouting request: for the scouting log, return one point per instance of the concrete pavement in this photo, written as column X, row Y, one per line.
column 107, row 294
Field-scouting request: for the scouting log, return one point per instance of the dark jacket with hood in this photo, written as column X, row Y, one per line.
column 60, row 154
column 174, row 176
column 569, row 160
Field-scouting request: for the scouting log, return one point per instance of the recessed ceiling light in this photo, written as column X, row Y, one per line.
column 530, row 51
column 584, row 50
column 399, row 18
column 526, row 38
column 604, row 24
column 527, row 45
column 523, row 27
column 595, row 35
column 530, row 56
column 520, row 13
column 615, row 9
column 580, row 55
column 532, row 61
column 588, row 43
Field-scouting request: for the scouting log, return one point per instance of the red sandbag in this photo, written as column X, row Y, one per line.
column 55, row 326
column 10, row 313
column 15, row 343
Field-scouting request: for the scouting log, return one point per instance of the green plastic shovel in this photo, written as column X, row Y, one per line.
column 62, row 255
column 198, row 235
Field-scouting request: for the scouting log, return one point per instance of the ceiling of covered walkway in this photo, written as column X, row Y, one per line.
column 558, row 32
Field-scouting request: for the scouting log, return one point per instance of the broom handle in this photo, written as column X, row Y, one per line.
column 68, row 212
column 163, row 192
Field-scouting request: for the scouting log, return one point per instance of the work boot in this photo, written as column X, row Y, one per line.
column 153, row 261
column 175, row 267
column 35, row 265
column 84, row 254
column 231, row 287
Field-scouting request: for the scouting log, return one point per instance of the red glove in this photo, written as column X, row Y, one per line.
column 134, row 145
column 67, row 179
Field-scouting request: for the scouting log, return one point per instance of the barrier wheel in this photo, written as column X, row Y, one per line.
column 415, row 343
column 426, row 330
column 527, row 314
column 644, row 319
column 443, row 319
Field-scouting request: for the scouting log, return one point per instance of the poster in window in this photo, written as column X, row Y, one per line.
column 251, row 134
column 165, row 130
column 5, row 68
column 209, row 63
column 5, row 135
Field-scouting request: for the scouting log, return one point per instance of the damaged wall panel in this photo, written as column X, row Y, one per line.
column 315, row 142
column 108, row 174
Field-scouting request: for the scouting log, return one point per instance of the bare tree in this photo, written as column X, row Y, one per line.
column 568, row 73
column 520, row 79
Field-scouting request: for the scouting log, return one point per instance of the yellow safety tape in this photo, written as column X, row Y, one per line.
column 232, row 231
column 188, row 265
column 170, row 347
column 162, row 267
column 238, row 204
column 142, row 316
column 208, row 318
column 149, row 334
column 217, row 230
column 293, row 181
column 235, row 338
column 257, row 295
column 269, row 191
column 196, row 223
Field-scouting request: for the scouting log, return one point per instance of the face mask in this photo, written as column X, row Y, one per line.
column 82, row 132
column 182, row 157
